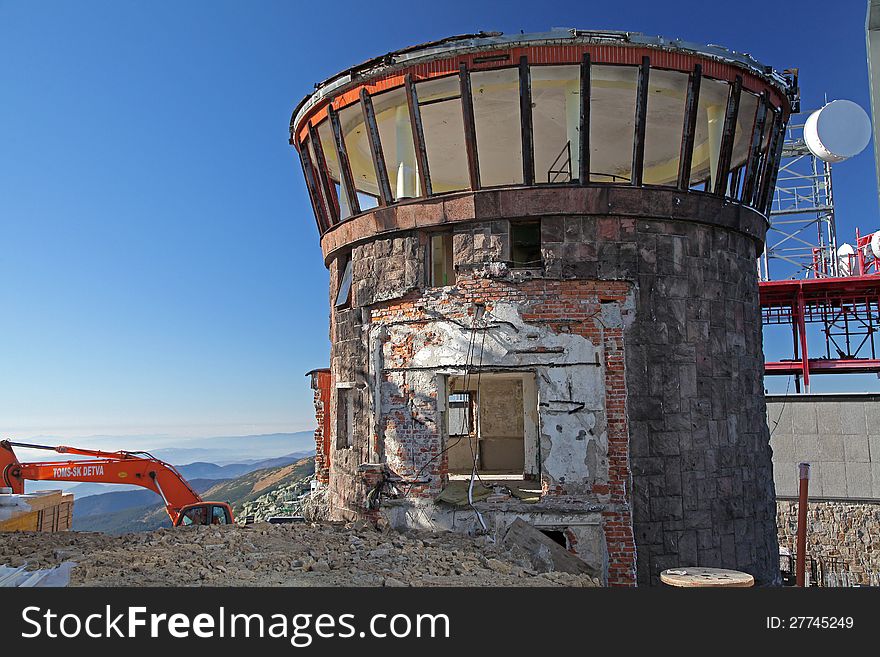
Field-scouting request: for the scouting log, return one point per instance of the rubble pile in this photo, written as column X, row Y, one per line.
column 297, row 554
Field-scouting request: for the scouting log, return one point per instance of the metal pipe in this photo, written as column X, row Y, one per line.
column 803, row 494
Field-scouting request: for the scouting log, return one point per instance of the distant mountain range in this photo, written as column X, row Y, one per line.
column 204, row 457
column 190, row 471
column 236, row 449
column 107, row 503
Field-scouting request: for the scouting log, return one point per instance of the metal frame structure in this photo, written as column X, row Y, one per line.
column 846, row 308
column 814, row 286
column 802, row 240
column 463, row 56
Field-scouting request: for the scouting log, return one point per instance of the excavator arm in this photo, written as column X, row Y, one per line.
column 183, row 504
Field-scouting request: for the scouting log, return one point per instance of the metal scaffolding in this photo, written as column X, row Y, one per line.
column 802, row 239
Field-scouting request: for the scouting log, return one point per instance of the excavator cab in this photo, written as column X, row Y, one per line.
column 204, row 513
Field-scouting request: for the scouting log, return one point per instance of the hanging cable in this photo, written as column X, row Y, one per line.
column 474, row 472
column 468, row 359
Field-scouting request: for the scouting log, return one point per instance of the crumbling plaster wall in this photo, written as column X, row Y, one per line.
column 569, row 373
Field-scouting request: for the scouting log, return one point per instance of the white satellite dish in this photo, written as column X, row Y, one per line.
column 838, row 131
column 875, row 244
column 845, row 259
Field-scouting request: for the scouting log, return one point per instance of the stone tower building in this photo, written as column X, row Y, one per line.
column 543, row 292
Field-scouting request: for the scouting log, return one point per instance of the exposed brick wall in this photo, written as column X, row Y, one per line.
column 321, row 384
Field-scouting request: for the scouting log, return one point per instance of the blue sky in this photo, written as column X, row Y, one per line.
column 159, row 265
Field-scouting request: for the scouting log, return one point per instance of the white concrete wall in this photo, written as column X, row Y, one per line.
column 838, row 434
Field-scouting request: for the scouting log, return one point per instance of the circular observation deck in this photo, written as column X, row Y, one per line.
column 564, row 108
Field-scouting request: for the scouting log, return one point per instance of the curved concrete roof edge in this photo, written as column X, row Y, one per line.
column 491, row 40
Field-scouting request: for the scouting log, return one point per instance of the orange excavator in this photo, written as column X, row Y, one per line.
column 183, row 504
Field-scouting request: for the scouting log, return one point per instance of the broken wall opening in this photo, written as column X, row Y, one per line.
column 557, row 536
column 491, row 425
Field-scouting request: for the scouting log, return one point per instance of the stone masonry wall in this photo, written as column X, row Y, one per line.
column 703, row 487
column 841, row 536
column 839, row 436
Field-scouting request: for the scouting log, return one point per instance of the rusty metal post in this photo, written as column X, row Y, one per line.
column 804, row 475
column 641, row 123
column 728, row 134
column 584, row 125
column 385, row 195
column 689, row 131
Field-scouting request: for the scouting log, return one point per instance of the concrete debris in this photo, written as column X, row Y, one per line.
column 262, row 554
column 545, row 554
column 22, row 577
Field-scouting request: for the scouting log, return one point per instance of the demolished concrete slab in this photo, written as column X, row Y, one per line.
column 545, row 554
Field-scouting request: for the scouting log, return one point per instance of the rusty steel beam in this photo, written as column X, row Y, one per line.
column 314, row 193
column 751, row 171
column 525, row 119
column 323, row 219
column 641, row 123
column 344, row 163
column 689, row 129
column 734, row 180
column 584, row 125
column 470, row 129
column 324, row 175
column 770, row 131
column 727, row 136
column 418, row 135
column 771, row 168
column 385, row 195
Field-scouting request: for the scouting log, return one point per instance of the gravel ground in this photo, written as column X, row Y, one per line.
column 279, row 555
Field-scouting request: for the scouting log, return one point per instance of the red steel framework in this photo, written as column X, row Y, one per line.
column 846, row 307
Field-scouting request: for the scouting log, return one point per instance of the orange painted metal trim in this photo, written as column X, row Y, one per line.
column 545, row 55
